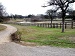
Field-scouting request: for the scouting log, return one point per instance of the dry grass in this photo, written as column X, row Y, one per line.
column 2, row 27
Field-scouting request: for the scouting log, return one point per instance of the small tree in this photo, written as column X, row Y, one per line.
column 63, row 5
column 51, row 15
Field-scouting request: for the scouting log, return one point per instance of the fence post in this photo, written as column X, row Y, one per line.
column 53, row 25
column 43, row 24
column 38, row 25
column 48, row 25
column 60, row 25
column 72, row 24
column 65, row 25
column 56, row 25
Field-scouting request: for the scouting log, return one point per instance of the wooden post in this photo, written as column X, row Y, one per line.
column 48, row 25
column 43, row 24
column 53, row 25
column 65, row 25
column 72, row 24
column 60, row 25
column 56, row 25
column 38, row 25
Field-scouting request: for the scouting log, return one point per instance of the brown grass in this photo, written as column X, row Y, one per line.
column 2, row 27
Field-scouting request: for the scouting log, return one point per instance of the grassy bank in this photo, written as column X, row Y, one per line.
column 2, row 27
column 47, row 36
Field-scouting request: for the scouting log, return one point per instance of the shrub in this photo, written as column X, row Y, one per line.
column 16, row 36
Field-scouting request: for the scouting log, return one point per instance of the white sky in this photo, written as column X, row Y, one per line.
column 25, row 7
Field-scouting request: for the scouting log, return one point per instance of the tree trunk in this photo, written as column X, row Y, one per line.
column 50, row 16
column 63, row 21
column 63, row 28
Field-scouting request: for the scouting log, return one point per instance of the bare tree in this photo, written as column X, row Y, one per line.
column 63, row 5
column 51, row 13
column 2, row 12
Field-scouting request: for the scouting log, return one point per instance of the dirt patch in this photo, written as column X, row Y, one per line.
column 2, row 27
column 26, row 43
column 68, row 38
column 72, row 38
column 31, row 38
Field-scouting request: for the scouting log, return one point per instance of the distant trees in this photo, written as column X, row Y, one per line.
column 46, row 16
column 3, row 13
column 29, row 16
column 16, row 16
column 62, row 5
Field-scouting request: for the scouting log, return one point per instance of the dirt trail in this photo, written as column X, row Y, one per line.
column 5, row 34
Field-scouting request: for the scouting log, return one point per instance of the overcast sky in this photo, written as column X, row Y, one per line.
column 25, row 7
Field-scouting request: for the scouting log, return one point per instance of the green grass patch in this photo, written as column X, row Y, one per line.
column 47, row 36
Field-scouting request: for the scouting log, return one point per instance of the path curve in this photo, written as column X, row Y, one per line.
column 13, row 49
column 5, row 34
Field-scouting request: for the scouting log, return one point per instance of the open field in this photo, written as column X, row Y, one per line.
column 47, row 36
column 2, row 27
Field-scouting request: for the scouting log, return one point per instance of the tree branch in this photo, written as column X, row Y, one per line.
column 66, row 6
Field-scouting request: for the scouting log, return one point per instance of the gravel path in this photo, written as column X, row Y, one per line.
column 5, row 34
column 13, row 49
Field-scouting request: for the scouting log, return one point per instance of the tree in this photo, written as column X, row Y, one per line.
column 51, row 14
column 63, row 5
column 30, row 16
column 3, row 13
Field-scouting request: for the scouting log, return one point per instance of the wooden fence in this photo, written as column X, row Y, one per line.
column 46, row 25
column 54, row 25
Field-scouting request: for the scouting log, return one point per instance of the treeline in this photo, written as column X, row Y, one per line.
column 50, row 14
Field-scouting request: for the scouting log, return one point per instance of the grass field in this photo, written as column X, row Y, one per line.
column 2, row 27
column 47, row 36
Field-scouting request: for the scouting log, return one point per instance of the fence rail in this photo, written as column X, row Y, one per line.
column 47, row 25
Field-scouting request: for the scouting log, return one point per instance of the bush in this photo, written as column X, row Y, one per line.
column 16, row 36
